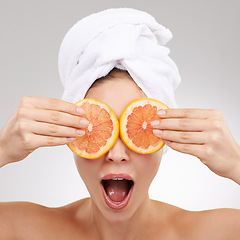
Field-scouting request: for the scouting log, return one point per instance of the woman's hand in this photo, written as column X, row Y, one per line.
column 204, row 134
column 39, row 122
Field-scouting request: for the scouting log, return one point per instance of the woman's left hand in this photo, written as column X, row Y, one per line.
column 204, row 134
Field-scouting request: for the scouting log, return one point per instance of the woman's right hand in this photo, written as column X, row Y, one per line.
column 39, row 122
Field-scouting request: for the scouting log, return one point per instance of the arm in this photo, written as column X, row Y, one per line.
column 204, row 134
column 37, row 122
column 2, row 157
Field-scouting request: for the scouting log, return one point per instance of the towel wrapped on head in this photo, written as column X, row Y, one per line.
column 122, row 38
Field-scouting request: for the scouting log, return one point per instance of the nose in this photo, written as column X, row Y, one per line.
column 118, row 153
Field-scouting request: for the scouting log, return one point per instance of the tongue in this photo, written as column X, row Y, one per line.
column 117, row 190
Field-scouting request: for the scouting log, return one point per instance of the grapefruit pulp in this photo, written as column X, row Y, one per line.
column 101, row 133
column 135, row 125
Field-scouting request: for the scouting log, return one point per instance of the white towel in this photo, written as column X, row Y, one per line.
column 123, row 38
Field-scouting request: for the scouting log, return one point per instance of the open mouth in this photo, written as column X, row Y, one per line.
column 117, row 191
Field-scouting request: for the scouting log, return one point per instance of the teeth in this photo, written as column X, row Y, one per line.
column 118, row 179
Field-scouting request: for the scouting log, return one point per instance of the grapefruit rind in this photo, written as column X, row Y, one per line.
column 110, row 141
column 124, row 120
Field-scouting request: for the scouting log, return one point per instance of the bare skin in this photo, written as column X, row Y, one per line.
column 42, row 122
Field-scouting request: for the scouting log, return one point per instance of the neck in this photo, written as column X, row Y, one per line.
column 120, row 226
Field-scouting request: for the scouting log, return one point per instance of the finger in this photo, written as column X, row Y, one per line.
column 183, row 124
column 188, row 113
column 38, row 141
column 54, row 130
column 192, row 149
column 52, row 104
column 181, row 137
column 55, row 117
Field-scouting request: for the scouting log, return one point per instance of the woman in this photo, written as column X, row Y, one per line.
column 41, row 122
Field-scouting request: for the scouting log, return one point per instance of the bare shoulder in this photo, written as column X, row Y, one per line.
column 210, row 224
column 217, row 223
column 16, row 215
column 23, row 220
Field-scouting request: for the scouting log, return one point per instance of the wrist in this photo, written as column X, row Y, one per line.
column 2, row 158
column 2, row 154
column 235, row 176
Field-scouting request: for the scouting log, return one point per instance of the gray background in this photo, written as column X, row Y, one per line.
column 206, row 49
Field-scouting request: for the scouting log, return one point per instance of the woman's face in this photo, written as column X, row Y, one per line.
column 120, row 160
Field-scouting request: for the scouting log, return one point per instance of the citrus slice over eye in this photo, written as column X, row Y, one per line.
column 101, row 133
column 135, row 125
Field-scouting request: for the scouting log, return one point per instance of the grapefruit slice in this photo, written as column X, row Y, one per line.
column 101, row 133
column 135, row 125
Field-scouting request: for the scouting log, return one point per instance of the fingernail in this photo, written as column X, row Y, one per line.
column 155, row 123
column 157, row 132
column 80, row 111
column 84, row 123
column 167, row 142
column 71, row 139
column 80, row 133
column 161, row 113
